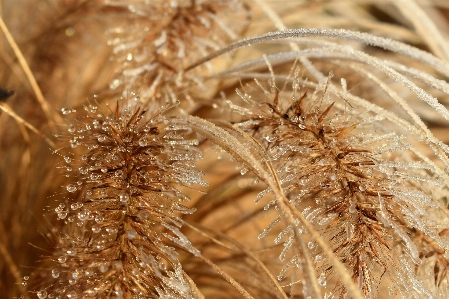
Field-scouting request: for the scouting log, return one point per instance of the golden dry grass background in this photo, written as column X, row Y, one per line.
column 65, row 45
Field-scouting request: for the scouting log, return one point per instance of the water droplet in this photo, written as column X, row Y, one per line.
column 77, row 274
column 83, row 215
column 42, row 294
column 162, row 265
column 96, row 228
column 322, row 280
column 318, row 258
column 143, row 141
column 99, row 218
column 62, row 259
column 124, row 197
column 71, row 129
column 131, row 234
column 271, row 138
column 72, row 295
column 104, row 169
column 55, row 272
column 103, row 268
column 143, row 215
column 67, row 160
column 62, row 215
column 67, row 111
column 118, row 265
column 111, row 230
column 71, row 188
column 311, row 245
column 362, row 188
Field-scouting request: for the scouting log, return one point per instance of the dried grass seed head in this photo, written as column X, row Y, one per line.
column 123, row 211
column 163, row 37
column 354, row 180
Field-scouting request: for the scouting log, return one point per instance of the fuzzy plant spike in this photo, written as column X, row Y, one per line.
column 160, row 38
column 357, row 183
column 122, row 213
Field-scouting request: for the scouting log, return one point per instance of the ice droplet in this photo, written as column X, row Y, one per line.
column 62, row 259
column 67, row 110
column 71, row 188
column 322, row 280
column 124, row 197
column 131, row 234
column 96, row 228
column 143, row 141
column 271, row 138
column 42, row 294
column 71, row 129
column 103, row 268
column 55, row 273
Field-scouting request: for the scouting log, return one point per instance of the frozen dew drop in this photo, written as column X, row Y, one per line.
column 66, row 111
column 71, row 188
column 76, row 274
column 62, row 215
column 118, row 265
column 131, row 234
column 71, row 129
column 162, row 265
column 103, row 268
column 318, row 258
column 99, row 218
column 111, row 230
column 82, row 215
column 96, row 228
column 62, row 259
column 124, row 197
column 143, row 215
column 42, row 294
column 104, row 169
column 362, row 188
column 67, row 159
column 72, row 295
column 322, row 280
column 311, row 245
column 55, row 273
column 143, row 141
column 271, row 138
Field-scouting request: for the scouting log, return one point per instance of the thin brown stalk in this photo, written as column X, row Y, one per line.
column 29, row 74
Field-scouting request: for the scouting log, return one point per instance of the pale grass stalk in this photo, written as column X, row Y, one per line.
column 29, row 74
column 5, row 107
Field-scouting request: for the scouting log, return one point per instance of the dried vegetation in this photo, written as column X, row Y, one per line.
column 224, row 149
